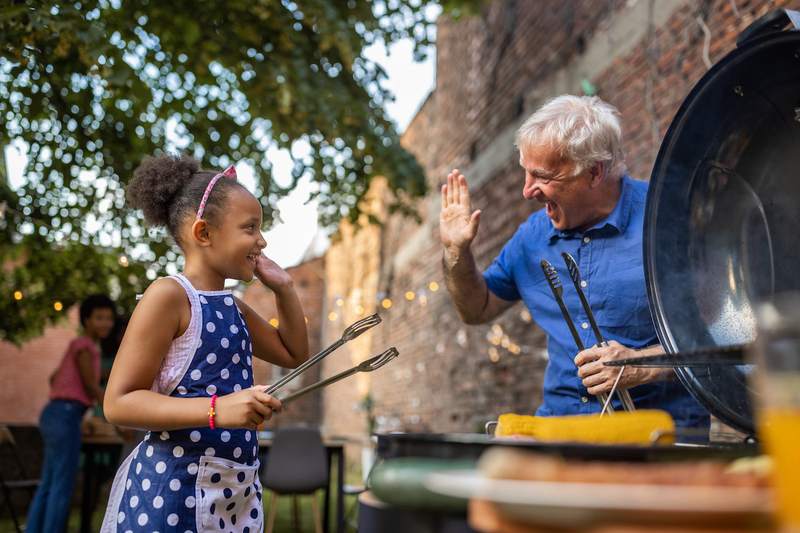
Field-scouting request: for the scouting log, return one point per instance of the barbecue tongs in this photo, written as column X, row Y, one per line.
column 373, row 363
column 352, row 331
column 554, row 281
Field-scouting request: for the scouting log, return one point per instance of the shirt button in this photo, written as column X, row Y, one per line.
column 586, row 240
column 584, row 399
column 585, row 325
column 583, row 283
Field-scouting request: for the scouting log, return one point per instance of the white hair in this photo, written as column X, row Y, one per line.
column 584, row 129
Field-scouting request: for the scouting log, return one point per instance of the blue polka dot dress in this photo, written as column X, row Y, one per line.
column 197, row 479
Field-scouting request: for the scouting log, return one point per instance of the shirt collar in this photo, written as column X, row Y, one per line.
column 617, row 219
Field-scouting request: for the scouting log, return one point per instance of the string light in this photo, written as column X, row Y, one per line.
column 339, row 302
column 273, row 322
column 58, row 306
column 18, row 295
column 433, row 286
column 332, row 316
column 410, row 295
column 386, row 303
column 123, row 261
column 359, row 309
column 494, row 355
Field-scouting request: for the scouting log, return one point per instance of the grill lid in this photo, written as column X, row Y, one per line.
column 722, row 223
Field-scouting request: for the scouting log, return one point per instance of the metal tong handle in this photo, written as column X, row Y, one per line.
column 351, row 332
column 373, row 363
column 575, row 275
column 554, row 281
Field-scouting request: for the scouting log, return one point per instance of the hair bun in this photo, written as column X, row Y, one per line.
column 156, row 182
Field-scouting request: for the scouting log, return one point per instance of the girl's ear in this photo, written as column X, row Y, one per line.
column 200, row 232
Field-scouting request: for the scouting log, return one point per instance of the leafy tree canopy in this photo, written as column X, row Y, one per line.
column 91, row 87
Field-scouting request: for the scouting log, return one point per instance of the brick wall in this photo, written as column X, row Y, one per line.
column 25, row 370
column 310, row 286
column 493, row 70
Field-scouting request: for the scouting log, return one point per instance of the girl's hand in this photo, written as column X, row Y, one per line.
column 247, row 408
column 270, row 274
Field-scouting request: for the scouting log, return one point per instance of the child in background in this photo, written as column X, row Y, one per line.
column 74, row 387
column 184, row 369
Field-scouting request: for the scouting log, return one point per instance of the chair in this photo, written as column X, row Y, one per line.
column 12, row 474
column 296, row 465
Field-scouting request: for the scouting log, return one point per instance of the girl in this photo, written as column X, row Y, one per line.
column 74, row 387
column 184, row 369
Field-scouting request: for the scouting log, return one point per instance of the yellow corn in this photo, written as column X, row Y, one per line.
column 638, row 427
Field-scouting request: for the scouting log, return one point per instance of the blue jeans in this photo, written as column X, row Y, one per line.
column 60, row 425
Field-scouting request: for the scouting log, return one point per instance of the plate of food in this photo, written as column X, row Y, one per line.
column 547, row 491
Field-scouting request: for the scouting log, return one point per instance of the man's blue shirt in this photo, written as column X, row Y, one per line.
column 609, row 255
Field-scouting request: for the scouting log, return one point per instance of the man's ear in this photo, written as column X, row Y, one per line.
column 597, row 173
column 200, row 232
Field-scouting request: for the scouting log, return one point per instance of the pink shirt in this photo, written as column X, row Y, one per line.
column 67, row 383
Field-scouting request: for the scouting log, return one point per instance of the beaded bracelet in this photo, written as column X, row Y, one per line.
column 212, row 413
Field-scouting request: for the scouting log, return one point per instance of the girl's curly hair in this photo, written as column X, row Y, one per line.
column 168, row 189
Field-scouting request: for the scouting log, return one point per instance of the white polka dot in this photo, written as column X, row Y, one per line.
column 224, row 342
column 234, row 329
column 237, row 387
column 225, row 436
column 248, row 436
column 145, row 484
column 175, row 484
column 228, row 300
column 211, row 327
column 177, row 451
column 211, row 358
column 237, row 452
column 210, row 451
column 190, row 502
column 251, row 347
column 203, row 299
column 158, row 502
column 161, row 467
column 138, row 467
column 211, row 389
column 196, row 374
column 142, row 519
column 134, row 501
column 165, row 435
column 182, row 390
column 224, row 374
column 192, row 469
column 219, row 315
column 243, row 344
column 249, row 360
column 120, row 517
column 128, row 531
column 255, row 451
column 235, row 358
column 149, row 451
column 245, row 373
column 128, row 483
column 172, row 519
column 195, row 436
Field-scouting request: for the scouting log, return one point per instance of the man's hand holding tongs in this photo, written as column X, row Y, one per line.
column 598, row 378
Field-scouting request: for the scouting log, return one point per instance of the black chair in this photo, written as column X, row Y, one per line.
column 13, row 476
column 296, row 465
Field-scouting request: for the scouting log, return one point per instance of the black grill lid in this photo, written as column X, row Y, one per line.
column 722, row 223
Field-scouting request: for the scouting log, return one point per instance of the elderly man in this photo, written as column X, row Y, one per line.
column 570, row 151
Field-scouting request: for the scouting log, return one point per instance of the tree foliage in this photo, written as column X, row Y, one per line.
column 91, row 87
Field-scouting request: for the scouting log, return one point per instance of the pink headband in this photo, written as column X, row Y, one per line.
column 229, row 172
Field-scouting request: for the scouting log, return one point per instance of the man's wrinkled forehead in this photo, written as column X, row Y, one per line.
column 541, row 159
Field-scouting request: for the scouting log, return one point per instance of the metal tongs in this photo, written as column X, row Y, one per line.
column 369, row 365
column 554, row 281
column 350, row 333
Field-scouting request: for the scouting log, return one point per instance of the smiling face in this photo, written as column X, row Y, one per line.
column 237, row 242
column 569, row 198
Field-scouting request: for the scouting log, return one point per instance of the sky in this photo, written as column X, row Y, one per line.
column 288, row 242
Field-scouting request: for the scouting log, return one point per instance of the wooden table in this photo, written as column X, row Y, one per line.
column 333, row 449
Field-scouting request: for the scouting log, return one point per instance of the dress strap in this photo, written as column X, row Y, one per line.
column 182, row 350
